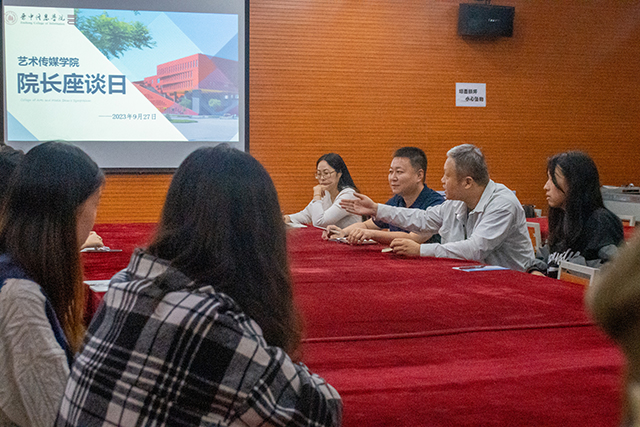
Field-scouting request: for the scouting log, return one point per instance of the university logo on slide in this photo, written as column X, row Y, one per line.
column 10, row 18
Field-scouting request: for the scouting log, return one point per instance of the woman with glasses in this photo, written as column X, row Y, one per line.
column 581, row 229
column 334, row 184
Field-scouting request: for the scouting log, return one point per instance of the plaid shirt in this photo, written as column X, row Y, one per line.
column 165, row 351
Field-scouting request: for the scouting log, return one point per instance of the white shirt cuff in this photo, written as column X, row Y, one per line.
column 427, row 249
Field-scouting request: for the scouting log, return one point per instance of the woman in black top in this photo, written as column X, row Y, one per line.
column 581, row 229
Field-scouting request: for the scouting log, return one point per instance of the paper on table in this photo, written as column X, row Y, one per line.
column 344, row 240
column 295, row 225
column 479, row 268
column 98, row 285
column 101, row 249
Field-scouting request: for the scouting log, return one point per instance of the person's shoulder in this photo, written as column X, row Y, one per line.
column 603, row 217
column 21, row 299
column 502, row 190
column 432, row 197
column 347, row 190
column 9, row 269
column 503, row 196
column 144, row 264
column 14, row 282
column 198, row 305
column 393, row 201
column 202, row 299
column 19, row 290
column 220, row 311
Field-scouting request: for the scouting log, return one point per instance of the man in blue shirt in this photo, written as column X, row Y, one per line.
column 406, row 179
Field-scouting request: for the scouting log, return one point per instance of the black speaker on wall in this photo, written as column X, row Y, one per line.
column 485, row 21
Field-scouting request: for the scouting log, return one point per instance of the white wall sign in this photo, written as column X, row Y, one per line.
column 471, row 94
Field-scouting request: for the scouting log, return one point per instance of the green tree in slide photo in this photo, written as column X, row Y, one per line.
column 112, row 36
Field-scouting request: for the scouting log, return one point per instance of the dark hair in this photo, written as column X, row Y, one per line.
column 582, row 198
column 38, row 226
column 529, row 211
column 416, row 157
column 9, row 160
column 221, row 224
column 470, row 162
column 335, row 161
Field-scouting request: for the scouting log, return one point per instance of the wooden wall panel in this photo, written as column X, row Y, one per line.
column 132, row 198
column 362, row 78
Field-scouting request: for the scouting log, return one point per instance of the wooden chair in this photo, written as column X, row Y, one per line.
column 534, row 234
column 576, row 273
column 629, row 220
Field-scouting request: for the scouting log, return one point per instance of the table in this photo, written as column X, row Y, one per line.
column 413, row 342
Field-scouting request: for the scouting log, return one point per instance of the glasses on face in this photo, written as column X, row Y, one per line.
column 324, row 174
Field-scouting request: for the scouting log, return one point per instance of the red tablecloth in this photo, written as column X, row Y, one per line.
column 413, row 342
column 103, row 265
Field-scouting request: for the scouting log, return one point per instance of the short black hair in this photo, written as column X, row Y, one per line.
column 416, row 157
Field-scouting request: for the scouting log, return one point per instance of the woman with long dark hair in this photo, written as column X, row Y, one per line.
column 334, row 184
column 48, row 213
column 581, row 229
column 199, row 328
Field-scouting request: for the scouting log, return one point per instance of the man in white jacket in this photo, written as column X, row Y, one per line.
column 480, row 220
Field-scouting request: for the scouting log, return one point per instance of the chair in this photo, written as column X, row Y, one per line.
column 630, row 219
column 576, row 273
column 534, row 234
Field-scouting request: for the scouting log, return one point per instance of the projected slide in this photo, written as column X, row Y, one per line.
column 121, row 75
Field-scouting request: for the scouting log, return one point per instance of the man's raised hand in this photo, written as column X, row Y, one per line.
column 361, row 205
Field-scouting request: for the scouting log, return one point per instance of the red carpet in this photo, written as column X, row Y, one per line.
column 412, row 342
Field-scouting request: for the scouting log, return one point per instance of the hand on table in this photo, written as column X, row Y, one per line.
column 93, row 241
column 359, row 235
column 361, row 205
column 332, row 232
column 405, row 247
